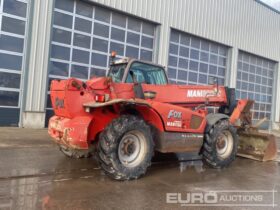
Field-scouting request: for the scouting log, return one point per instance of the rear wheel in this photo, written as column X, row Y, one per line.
column 125, row 148
column 220, row 144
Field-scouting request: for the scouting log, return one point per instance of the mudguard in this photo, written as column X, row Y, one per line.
column 173, row 118
column 212, row 118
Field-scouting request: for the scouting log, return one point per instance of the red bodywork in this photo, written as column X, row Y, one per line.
column 79, row 119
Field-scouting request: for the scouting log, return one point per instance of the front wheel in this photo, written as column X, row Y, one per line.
column 125, row 148
column 220, row 144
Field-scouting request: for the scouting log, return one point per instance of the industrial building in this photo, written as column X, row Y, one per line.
column 235, row 40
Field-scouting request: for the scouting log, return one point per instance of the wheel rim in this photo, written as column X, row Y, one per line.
column 132, row 148
column 224, row 144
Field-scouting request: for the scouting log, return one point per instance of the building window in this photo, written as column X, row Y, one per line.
column 13, row 19
column 192, row 60
column 84, row 35
column 255, row 80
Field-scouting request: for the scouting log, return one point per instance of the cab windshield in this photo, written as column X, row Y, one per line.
column 138, row 72
column 146, row 73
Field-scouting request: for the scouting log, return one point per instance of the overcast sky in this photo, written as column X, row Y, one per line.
column 273, row 3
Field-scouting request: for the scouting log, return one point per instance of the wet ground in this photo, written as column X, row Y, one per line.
column 35, row 175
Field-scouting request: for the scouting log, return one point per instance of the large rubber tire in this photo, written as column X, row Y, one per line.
column 216, row 152
column 121, row 131
column 74, row 153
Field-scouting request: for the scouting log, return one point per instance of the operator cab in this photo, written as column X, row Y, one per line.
column 129, row 70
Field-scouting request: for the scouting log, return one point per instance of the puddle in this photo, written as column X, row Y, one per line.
column 194, row 164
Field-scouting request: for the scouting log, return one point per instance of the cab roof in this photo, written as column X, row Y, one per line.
column 127, row 60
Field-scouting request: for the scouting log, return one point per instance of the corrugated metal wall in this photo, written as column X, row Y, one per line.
column 245, row 24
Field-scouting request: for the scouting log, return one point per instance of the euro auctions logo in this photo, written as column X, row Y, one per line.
column 192, row 198
column 223, row 198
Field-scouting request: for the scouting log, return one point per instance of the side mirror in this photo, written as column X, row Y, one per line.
column 212, row 81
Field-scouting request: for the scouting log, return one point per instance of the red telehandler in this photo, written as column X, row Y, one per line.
column 134, row 111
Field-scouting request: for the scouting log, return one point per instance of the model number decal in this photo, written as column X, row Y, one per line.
column 187, row 136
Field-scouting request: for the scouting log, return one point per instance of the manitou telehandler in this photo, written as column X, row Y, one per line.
column 134, row 111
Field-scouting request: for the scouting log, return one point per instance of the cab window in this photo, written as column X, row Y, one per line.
column 146, row 73
column 116, row 72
